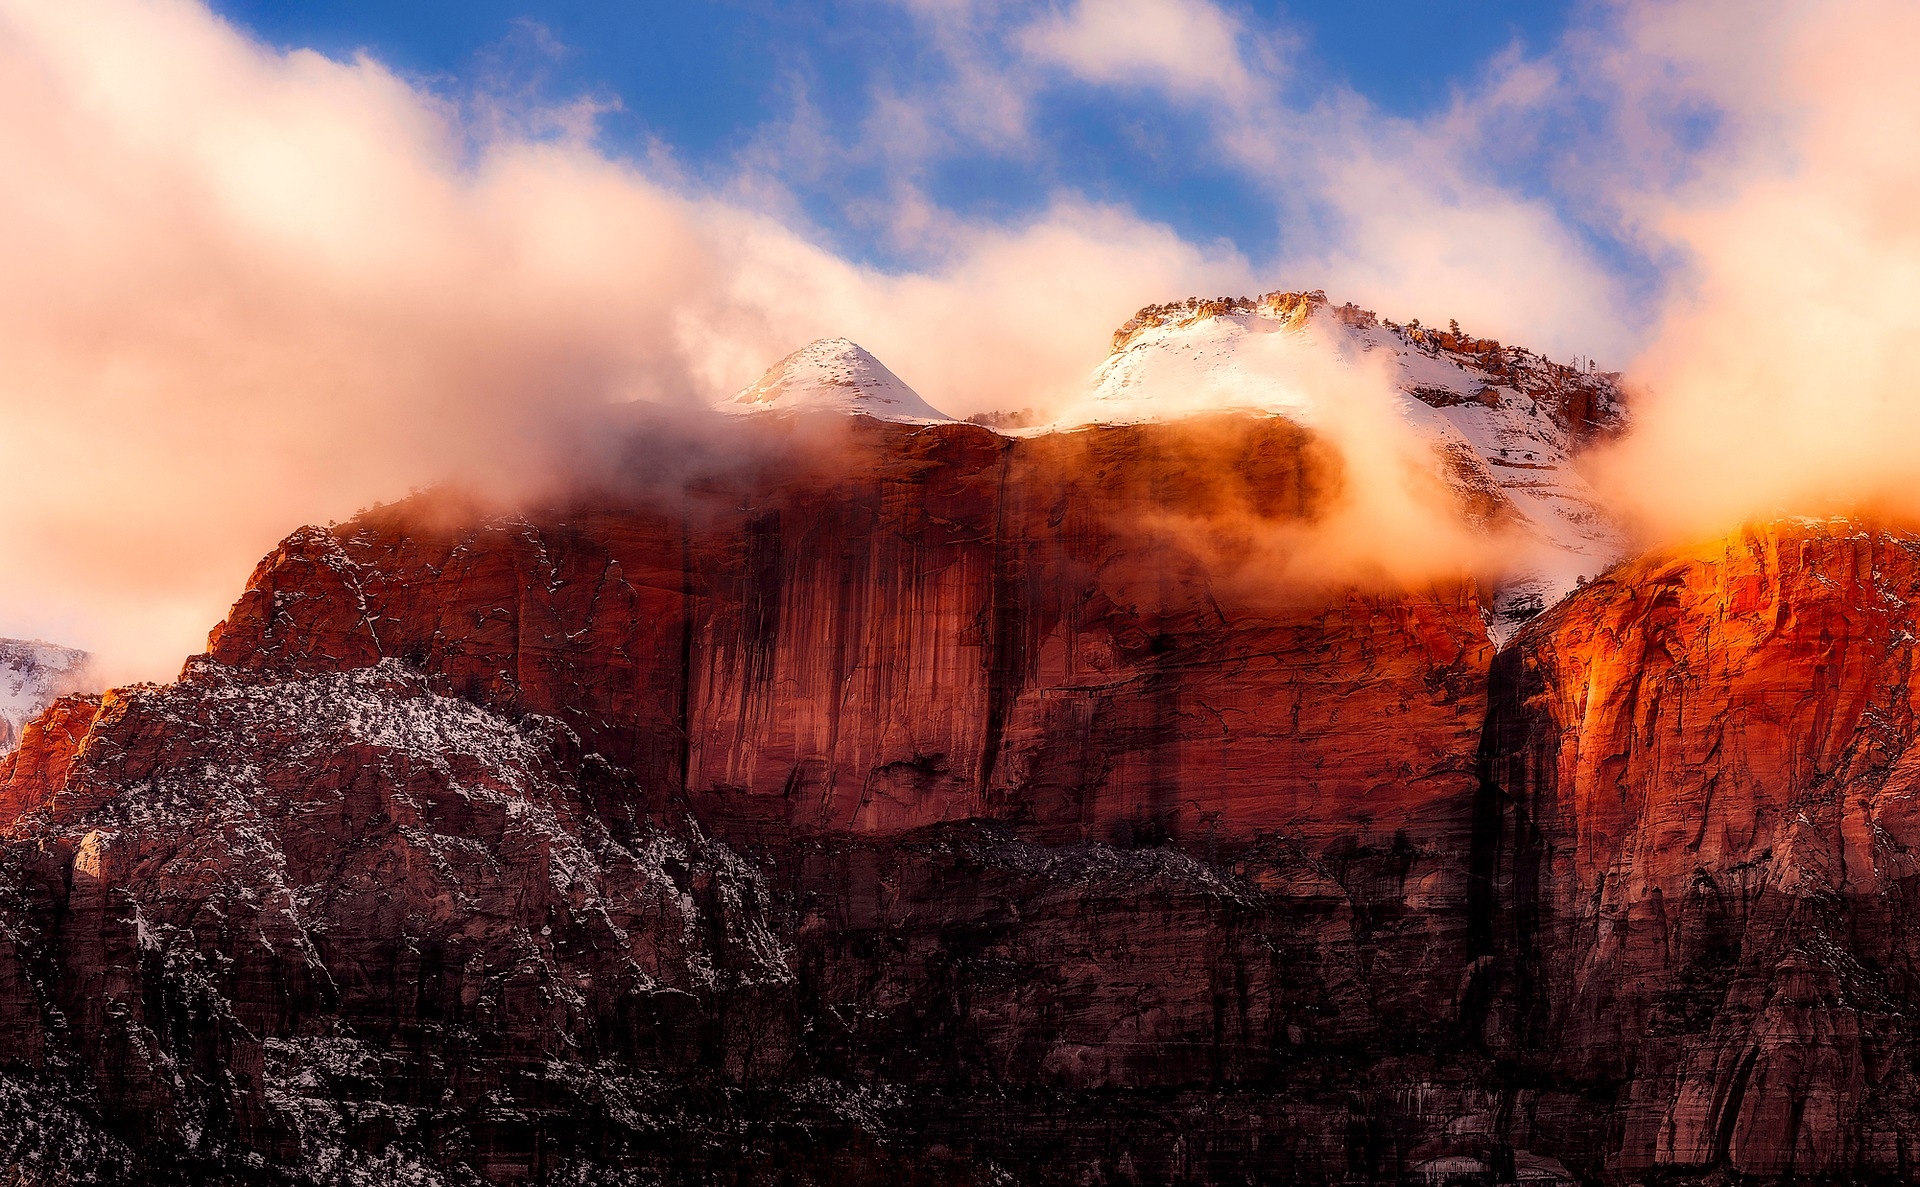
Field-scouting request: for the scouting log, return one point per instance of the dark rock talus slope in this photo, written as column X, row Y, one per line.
column 973, row 810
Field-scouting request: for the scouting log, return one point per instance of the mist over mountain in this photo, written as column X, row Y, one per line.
column 1053, row 726
column 33, row 675
column 889, row 795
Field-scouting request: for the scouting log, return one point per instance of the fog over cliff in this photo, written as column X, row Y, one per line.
column 250, row 288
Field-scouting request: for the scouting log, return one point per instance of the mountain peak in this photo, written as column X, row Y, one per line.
column 33, row 675
column 1505, row 423
column 1212, row 343
column 834, row 375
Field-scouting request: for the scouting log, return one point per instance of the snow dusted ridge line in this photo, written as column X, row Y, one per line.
column 267, row 839
column 33, row 675
column 834, row 375
column 1438, row 367
column 1504, row 424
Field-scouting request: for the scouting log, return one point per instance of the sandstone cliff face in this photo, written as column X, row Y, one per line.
column 961, row 626
column 977, row 809
column 1703, row 772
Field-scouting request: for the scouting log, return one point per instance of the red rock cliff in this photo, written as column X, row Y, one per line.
column 1704, row 771
column 976, row 809
column 957, row 625
column 831, row 668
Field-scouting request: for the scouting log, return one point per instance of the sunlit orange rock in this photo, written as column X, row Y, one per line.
column 45, row 755
column 1703, row 880
column 955, row 625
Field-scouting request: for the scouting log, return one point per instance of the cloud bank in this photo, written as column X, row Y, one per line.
column 1785, row 374
column 245, row 288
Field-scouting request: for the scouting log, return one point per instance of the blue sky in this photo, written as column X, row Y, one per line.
column 716, row 83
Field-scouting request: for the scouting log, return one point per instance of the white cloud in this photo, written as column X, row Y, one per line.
column 1785, row 373
column 244, row 290
column 1190, row 49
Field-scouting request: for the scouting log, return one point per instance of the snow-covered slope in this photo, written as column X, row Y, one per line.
column 32, row 676
column 1504, row 423
column 834, row 375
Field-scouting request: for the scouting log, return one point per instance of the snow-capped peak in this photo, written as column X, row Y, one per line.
column 32, row 676
column 1503, row 422
column 834, row 375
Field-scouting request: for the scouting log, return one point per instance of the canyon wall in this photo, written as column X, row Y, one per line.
column 958, row 808
column 1703, row 774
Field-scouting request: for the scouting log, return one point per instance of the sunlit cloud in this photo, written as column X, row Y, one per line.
column 1190, row 49
column 1785, row 376
column 1399, row 214
column 247, row 289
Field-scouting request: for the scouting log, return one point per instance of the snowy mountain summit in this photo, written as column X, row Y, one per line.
column 32, row 676
column 834, row 375
column 1504, row 423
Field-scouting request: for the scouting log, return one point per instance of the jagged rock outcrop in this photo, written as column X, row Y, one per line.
column 312, row 918
column 952, row 808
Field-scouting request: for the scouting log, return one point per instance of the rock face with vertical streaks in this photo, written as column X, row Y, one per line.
column 1703, row 879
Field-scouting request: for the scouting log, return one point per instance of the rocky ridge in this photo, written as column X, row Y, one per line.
column 1587, row 403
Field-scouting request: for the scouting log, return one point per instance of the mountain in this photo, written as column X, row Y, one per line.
column 32, row 676
column 931, row 816
column 926, row 815
column 913, row 804
column 1504, row 423
column 834, row 375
